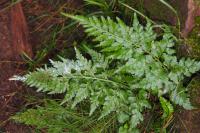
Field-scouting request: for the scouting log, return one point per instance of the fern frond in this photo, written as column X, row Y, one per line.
column 167, row 107
column 131, row 65
column 46, row 82
column 99, row 60
column 180, row 97
column 113, row 37
column 53, row 117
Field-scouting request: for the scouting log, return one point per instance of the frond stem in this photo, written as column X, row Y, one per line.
column 100, row 79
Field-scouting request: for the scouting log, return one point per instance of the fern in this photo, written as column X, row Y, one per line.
column 132, row 65
column 55, row 118
column 167, row 107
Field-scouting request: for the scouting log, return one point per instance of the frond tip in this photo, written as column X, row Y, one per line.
column 18, row 78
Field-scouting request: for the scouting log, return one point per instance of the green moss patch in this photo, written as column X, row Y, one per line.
column 193, row 40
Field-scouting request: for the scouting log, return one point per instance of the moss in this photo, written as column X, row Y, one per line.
column 195, row 34
column 193, row 40
column 194, row 89
column 198, row 2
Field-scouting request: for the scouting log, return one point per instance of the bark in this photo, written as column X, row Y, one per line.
column 13, row 42
column 19, row 31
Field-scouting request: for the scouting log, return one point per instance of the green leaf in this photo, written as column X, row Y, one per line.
column 167, row 107
column 123, row 117
column 82, row 93
column 180, row 97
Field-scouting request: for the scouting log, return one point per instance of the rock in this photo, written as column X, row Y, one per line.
column 188, row 121
column 187, row 11
column 193, row 11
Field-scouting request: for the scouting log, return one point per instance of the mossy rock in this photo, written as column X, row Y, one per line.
column 195, row 34
column 194, row 89
column 159, row 12
column 193, row 41
column 187, row 121
column 197, row 1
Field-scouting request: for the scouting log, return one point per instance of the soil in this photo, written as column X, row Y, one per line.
column 17, row 37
